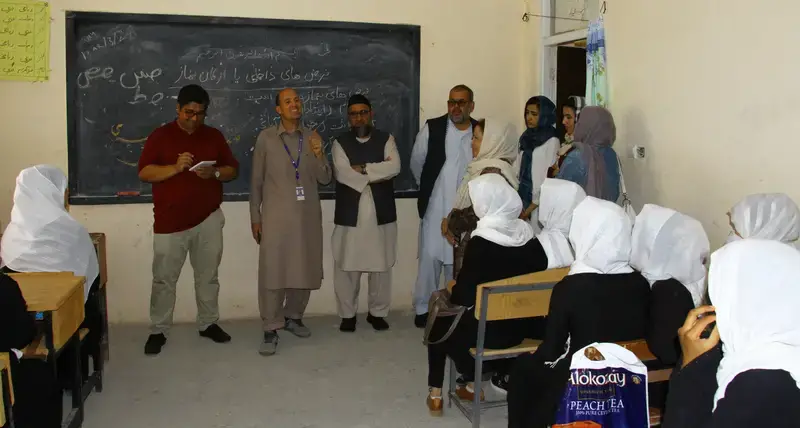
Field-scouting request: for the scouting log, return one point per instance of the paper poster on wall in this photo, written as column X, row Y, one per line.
column 24, row 41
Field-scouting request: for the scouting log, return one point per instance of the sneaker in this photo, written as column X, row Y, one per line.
column 421, row 320
column 270, row 344
column 297, row 328
column 215, row 333
column 154, row 344
column 378, row 323
column 348, row 325
column 499, row 384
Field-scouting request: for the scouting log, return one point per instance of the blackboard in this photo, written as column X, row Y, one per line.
column 124, row 72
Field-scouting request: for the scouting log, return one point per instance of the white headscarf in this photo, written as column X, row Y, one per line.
column 498, row 150
column 42, row 236
column 498, row 206
column 772, row 216
column 668, row 244
column 753, row 286
column 600, row 234
column 558, row 200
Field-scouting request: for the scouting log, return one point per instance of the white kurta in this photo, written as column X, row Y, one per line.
column 368, row 247
column 458, row 151
column 542, row 159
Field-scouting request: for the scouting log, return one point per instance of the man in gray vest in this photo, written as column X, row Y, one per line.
column 365, row 162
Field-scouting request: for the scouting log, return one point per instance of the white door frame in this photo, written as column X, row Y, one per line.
column 550, row 45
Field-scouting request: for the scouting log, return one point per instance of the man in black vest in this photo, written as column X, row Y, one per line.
column 365, row 162
column 439, row 159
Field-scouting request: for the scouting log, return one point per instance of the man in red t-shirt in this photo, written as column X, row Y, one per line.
column 186, row 207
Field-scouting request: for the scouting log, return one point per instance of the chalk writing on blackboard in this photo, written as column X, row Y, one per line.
column 24, row 41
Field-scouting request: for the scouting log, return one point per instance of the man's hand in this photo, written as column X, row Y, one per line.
column 316, row 144
column 185, row 161
column 256, row 229
column 692, row 346
column 358, row 168
column 205, row 172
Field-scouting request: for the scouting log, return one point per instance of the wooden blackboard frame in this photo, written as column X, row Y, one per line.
column 75, row 18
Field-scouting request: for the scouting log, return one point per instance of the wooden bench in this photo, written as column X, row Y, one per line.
column 526, row 296
column 523, row 296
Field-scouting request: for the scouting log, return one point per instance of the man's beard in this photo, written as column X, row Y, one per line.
column 362, row 131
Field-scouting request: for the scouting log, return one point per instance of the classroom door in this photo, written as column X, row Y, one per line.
column 570, row 76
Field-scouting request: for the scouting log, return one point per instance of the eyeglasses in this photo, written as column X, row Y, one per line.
column 460, row 103
column 191, row 113
column 358, row 113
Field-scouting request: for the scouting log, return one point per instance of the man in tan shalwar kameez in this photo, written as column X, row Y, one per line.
column 365, row 233
column 286, row 219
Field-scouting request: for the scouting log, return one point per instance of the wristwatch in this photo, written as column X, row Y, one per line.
column 363, row 169
column 216, row 173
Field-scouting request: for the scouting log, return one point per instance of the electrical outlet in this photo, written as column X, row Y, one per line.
column 638, row 152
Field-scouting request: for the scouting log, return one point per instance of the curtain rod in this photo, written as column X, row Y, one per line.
column 527, row 16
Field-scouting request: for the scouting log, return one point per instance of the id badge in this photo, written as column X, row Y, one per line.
column 301, row 194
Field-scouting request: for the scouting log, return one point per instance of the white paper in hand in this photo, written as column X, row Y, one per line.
column 202, row 164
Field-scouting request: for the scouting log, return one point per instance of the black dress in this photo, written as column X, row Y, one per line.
column 587, row 308
column 37, row 398
column 484, row 261
column 670, row 302
column 755, row 398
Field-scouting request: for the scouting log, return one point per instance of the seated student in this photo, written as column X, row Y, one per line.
column 670, row 249
column 772, row 216
column 601, row 300
column 502, row 246
column 493, row 151
column 43, row 237
column 37, row 399
column 753, row 378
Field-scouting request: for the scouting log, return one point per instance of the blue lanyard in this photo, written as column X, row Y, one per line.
column 295, row 163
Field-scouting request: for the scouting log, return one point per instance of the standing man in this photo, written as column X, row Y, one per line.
column 365, row 233
column 187, row 214
column 286, row 219
column 439, row 159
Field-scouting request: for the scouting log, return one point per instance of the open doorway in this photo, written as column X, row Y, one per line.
column 570, row 75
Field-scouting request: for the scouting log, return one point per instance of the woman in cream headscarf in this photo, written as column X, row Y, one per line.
column 43, row 237
column 670, row 250
column 772, row 216
column 494, row 150
column 602, row 299
column 751, row 379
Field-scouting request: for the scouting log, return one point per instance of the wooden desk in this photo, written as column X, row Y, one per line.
column 57, row 300
column 7, row 397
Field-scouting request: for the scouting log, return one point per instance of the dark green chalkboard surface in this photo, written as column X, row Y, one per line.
column 124, row 72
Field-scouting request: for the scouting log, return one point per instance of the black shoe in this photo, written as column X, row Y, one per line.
column 378, row 323
column 500, row 383
column 215, row 333
column 420, row 320
column 154, row 344
column 348, row 325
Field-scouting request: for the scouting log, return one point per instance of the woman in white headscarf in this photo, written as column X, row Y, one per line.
column 43, row 237
column 601, row 300
column 502, row 246
column 772, row 216
column 670, row 250
column 753, row 378
column 494, row 149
